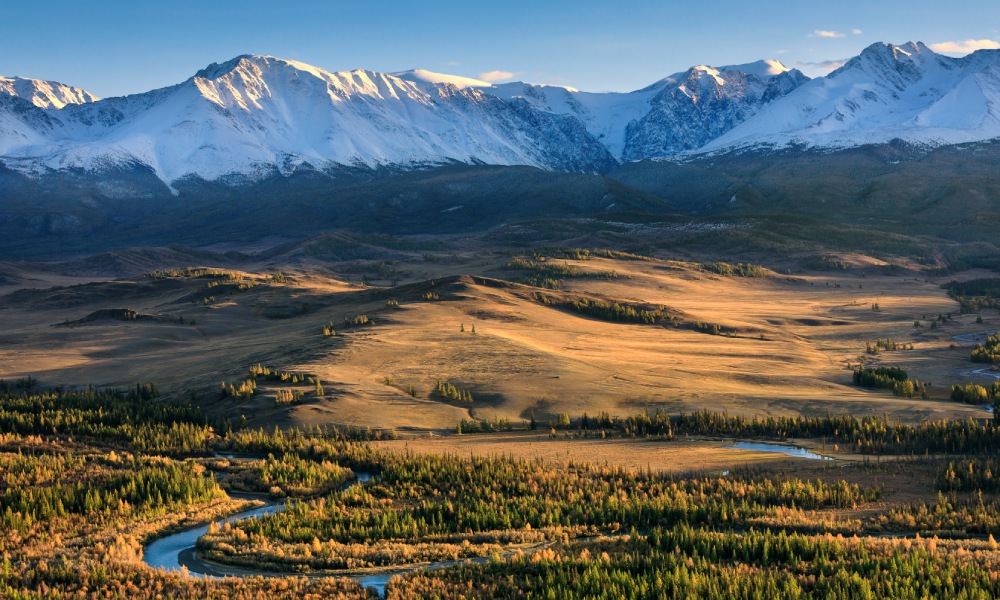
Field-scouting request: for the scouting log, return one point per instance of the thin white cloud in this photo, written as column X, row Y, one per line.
column 453, row 63
column 821, row 68
column 826, row 33
column 965, row 47
column 856, row 32
column 495, row 75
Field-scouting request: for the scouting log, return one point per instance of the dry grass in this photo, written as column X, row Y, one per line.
column 524, row 359
column 632, row 454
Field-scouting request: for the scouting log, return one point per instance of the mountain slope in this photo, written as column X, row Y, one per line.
column 254, row 116
column 697, row 106
column 678, row 113
column 22, row 124
column 254, row 120
column 888, row 92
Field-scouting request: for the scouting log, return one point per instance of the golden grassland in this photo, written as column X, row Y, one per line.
column 791, row 340
column 638, row 455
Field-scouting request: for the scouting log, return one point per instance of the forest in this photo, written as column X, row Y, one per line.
column 988, row 352
column 88, row 477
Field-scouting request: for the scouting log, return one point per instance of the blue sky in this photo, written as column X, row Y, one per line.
column 119, row 47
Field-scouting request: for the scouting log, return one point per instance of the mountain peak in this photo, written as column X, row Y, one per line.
column 259, row 61
column 704, row 72
column 909, row 52
column 765, row 69
column 45, row 94
column 256, row 115
column 899, row 66
column 217, row 70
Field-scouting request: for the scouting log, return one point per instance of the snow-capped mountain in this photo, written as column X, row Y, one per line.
column 23, row 123
column 427, row 80
column 886, row 93
column 257, row 117
column 695, row 107
column 678, row 113
column 45, row 94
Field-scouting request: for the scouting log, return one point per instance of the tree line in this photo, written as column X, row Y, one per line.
column 844, row 433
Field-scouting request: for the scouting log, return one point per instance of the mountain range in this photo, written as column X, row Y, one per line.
column 260, row 145
column 254, row 117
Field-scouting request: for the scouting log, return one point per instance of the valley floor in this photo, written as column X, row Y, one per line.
column 553, row 423
column 785, row 343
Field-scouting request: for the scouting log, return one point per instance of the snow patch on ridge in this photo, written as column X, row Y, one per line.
column 430, row 77
column 760, row 68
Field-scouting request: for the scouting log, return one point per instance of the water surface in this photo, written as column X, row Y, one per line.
column 795, row 451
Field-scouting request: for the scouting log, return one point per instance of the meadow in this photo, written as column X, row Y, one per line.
column 558, row 422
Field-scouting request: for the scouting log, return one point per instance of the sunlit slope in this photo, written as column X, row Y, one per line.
column 768, row 345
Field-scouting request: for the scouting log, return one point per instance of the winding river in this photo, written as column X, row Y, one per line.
column 177, row 550
column 988, row 372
